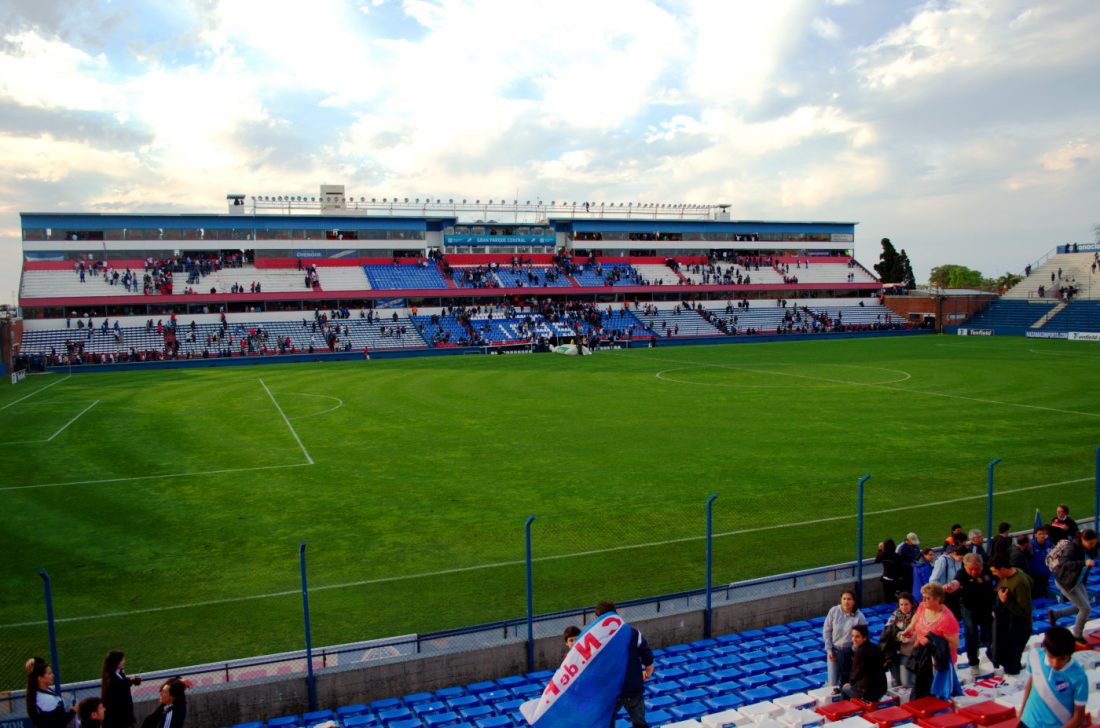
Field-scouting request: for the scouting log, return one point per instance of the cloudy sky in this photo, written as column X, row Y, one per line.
column 967, row 131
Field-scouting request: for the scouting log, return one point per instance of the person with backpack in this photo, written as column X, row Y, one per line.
column 1070, row 561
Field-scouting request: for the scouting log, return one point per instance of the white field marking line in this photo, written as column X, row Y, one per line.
column 322, row 412
column 287, row 421
column 40, row 389
column 1068, row 356
column 51, row 437
column 66, row 425
column 537, row 559
column 660, row 375
column 149, row 477
column 887, row 387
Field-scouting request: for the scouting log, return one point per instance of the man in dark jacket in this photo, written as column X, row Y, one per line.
column 1070, row 577
column 868, row 673
column 639, row 667
column 976, row 590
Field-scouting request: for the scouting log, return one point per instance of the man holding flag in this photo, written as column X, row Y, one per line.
column 604, row 670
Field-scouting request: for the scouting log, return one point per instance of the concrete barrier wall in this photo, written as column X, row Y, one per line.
column 274, row 697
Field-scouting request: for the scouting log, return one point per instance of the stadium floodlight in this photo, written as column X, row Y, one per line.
column 406, row 199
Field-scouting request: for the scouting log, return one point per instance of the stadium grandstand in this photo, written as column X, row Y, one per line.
column 336, row 274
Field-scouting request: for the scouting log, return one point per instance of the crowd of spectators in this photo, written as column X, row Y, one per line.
column 981, row 590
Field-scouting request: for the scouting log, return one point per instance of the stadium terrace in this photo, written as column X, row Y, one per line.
column 335, row 274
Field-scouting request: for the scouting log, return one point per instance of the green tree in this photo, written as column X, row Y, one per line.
column 906, row 270
column 955, row 276
column 1008, row 280
column 888, row 263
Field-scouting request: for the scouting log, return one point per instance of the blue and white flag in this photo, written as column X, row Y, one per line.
column 584, row 690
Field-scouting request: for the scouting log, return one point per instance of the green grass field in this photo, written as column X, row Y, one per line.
column 168, row 506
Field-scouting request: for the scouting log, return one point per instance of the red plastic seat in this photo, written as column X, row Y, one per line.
column 927, row 706
column 887, row 717
column 839, row 710
column 1010, row 723
column 946, row 720
column 885, row 702
column 988, row 713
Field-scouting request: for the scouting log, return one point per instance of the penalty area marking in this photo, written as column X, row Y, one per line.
column 287, row 421
column 338, row 405
column 28, row 396
column 518, row 562
column 62, row 429
column 151, row 477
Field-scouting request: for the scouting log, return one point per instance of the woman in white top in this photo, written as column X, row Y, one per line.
column 837, row 634
column 45, row 708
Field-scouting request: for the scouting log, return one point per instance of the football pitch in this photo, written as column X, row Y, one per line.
column 167, row 507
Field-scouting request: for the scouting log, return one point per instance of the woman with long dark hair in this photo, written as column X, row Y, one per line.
column 115, row 692
column 45, row 708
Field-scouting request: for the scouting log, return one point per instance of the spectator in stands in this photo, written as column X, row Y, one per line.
column 1057, row 688
column 1070, row 575
column 896, row 649
column 868, row 680
column 837, row 635
column 172, row 709
column 1020, row 555
column 569, row 637
column 945, row 573
column 1012, row 615
column 1002, row 542
column 1037, row 563
column 893, row 570
column 639, row 668
column 931, row 621
column 45, row 708
column 922, row 572
column 91, row 712
column 1062, row 526
column 957, row 537
column 976, row 590
column 976, row 544
column 115, row 691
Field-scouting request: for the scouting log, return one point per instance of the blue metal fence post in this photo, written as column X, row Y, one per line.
column 707, row 616
column 530, row 601
column 1096, row 497
column 53, row 633
column 859, row 543
column 989, row 502
column 311, row 681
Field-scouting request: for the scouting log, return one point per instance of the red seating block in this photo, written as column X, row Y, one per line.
column 988, row 713
column 946, row 720
column 927, row 706
column 839, row 710
column 885, row 702
column 1010, row 723
column 886, row 717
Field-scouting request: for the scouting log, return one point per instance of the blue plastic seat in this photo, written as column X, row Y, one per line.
column 285, row 721
column 460, row 701
column 436, row 720
column 347, row 711
column 687, row 711
column 360, row 721
column 481, row 687
column 494, row 721
column 252, row 724
column 430, row 706
column 696, row 681
column 724, row 702
column 385, row 704
column 395, row 715
column 759, row 694
column 475, row 712
column 318, row 716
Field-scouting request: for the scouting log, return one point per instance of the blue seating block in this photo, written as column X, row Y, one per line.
column 481, row 687
column 461, row 701
column 347, row 711
column 318, row 716
column 693, row 694
column 661, row 701
column 658, row 717
column 434, row 720
column 445, row 693
column 409, row 723
column 385, row 704
column 411, row 700
column 512, row 681
column 724, row 702
column 395, row 714
column 795, row 685
column 477, row 711
column 431, row 706
column 755, row 681
column 695, row 681
column 360, row 721
column 686, row 711
column 759, row 694
column 784, row 661
column 496, row 721
column 253, row 724
column 286, row 720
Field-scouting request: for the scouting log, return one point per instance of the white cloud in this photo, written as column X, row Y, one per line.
column 47, row 72
column 825, row 28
